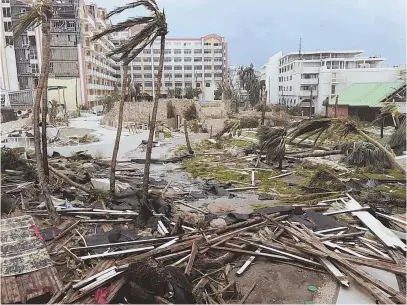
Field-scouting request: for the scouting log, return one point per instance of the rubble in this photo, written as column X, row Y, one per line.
column 236, row 226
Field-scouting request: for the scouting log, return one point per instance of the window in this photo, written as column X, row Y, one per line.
column 207, row 51
column 167, row 59
column 137, row 59
column 6, row 12
column 147, row 68
column 291, row 88
column 208, row 85
column 291, row 66
column 207, row 43
column 187, row 59
column 167, row 75
column 291, row 77
column 217, row 59
column 207, row 59
column 197, row 51
column 333, row 89
column 157, row 51
column 177, row 51
column 167, row 68
column 7, row 26
column 208, row 75
column 168, row 84
column 137, row 75
column 177, row 59
column 198, row 67
column 197, row 59
column 218, row 67
column 187, row 68
column 5, row 1
column 198, row 85
column 148, row 76
column 187, row 51
column 147, row 59
column 178, row 68
column 178, row 84
column 217, row 51
column 148, row 84
column 188, row 75
column 178, row 75
column 167, row 51
column 35, row 69
column 137, row 68
column 207, row 67
column 198, row 74
column 146, row 51
column 33, row 54
column 156, row 59
column 218, row 74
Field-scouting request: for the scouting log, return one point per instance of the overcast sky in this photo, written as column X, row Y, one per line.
column 257, row 29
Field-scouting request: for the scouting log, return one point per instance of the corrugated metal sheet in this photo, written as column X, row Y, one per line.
column 368, row 94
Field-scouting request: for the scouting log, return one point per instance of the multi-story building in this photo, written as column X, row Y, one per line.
column 290, row 78
column 188, row 62
column 100, row 76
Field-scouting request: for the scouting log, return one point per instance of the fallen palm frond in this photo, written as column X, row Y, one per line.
column 232, row 127
column 389, row 109
column 272, row 142
column 398, row 139
column 363, row 154
column 326, row 180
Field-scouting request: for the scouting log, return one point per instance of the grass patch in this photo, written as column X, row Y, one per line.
column 249, row 134
column 259, row 206
column 394, row 191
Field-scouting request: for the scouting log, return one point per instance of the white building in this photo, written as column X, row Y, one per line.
column 188, row 62
column 290, row 78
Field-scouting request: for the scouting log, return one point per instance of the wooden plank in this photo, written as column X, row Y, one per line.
column 191, row 260
column 14, row 289
column 385, row 235
column 394, row 268
column 4, row 293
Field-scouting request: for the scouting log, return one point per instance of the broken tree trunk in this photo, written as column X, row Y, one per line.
column 317, row 154
column 189, row 149
column 66, row 178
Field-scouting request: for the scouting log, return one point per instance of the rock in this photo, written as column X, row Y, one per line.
column 265, row 196
column 218, row 223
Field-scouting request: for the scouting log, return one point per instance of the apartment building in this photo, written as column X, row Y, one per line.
column 101, row 72
column 188, row 62
column 290, row 78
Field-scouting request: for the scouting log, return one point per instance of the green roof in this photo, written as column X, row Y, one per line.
column 367, row 94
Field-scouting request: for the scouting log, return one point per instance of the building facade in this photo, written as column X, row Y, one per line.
column 188, row 62
column 81, row 66
column 293, row 77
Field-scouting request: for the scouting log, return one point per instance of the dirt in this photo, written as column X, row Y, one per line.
column 284, row 284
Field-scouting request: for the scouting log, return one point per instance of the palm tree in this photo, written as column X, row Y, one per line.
column 40, row 15
column 154, row 26
column 328, row 127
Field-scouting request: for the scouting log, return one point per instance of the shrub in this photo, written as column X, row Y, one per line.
column 191, row 113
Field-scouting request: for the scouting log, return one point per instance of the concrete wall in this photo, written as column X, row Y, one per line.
column 140, row 112
column 342, row 110
column 70, row 95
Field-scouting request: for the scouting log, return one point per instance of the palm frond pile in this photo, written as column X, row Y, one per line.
column 363, row 154
column 397, row 140
column 323, row 129
column 272, row 141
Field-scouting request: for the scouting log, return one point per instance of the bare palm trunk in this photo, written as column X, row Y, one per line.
column 389, row 155
column 46, row 49
column 336, row 106
column 42, row 86
column 263, row 111
column 119, row 130
column 316, row 154
column 152, row 128
column 187, row 137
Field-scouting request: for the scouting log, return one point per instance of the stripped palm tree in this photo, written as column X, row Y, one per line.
column 328, row 127
column 272, row 141
column 153, row 26
column 40, row 15
column 397, row 139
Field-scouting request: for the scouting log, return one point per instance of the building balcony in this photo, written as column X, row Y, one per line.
column 307, row 93
column 309, row 81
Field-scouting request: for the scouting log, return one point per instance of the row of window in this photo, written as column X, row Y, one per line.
column 179, row 75
column 308, row 87
column 286, row 68
column 285, row 78
column 283, row 88
column 178, row 59
column 285, row 101
column 6, row 12
column 179, row 51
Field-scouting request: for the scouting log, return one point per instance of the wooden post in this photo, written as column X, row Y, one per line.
column 336, row 105
column 382, row 129
column 310, row 104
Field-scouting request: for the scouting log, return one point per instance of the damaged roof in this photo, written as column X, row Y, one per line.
column 368, row 94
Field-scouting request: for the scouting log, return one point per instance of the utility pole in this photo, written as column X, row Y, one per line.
column 310, row 104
